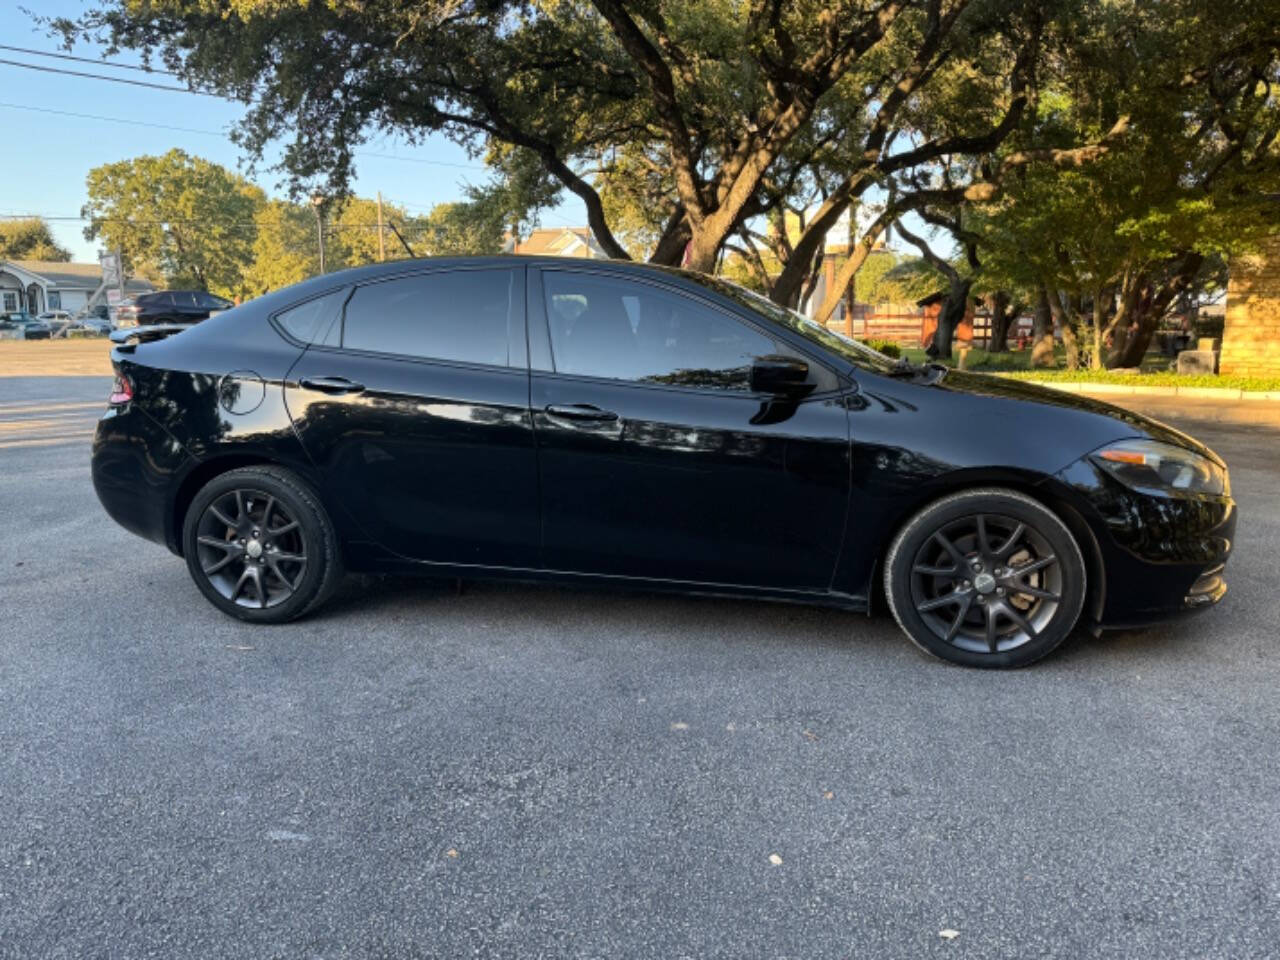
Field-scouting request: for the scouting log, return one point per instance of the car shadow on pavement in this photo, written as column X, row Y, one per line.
column 522, row 608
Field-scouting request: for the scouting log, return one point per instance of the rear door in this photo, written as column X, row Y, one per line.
column 412, row 401
column 657, row 459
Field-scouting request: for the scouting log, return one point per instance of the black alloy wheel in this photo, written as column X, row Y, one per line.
column 986, row 578
column 259, row 545
column 250, row 548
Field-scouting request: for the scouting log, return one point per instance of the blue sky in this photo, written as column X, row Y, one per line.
column 45, row 156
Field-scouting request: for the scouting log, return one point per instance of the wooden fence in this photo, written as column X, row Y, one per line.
column 904, row 324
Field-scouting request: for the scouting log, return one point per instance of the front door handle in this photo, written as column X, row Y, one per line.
column 580, row 411
column 331, row 385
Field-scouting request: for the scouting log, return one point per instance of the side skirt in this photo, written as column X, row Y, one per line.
column 369, row 559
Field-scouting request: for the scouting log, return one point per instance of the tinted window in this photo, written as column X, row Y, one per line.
column 185, row 299
column 209, row 302
column 461, row 315
column 315, row 320
column 608, row 327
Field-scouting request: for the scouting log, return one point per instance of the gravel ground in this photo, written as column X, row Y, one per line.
column 543, row 772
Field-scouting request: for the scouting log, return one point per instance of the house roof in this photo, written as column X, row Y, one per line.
column 74, row 276
column 559, row 241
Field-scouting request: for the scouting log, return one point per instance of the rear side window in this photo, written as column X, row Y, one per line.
column 316, row 320
column 462, row 316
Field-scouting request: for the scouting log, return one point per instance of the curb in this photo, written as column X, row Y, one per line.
column 1126, row 390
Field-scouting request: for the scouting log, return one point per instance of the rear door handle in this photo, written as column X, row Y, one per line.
column 331, row 385
column 580, row 411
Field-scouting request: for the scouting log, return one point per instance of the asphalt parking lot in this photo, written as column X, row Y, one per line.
column 542, row 772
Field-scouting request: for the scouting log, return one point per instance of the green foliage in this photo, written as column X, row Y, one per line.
column 464, row 229
column 1185, row 187
column 908, row 280
column 29, row 239
column 175, row 217
column 887, row 347
column 867, row 281
column 285, row 248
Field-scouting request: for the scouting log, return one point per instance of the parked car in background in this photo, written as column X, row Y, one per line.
column 94, row 322
column 55, row 320
column 170, row 306
column 25, row 326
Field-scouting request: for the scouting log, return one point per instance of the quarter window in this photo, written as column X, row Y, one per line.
column 316, row 320
column 623, row 330
column 461, row 316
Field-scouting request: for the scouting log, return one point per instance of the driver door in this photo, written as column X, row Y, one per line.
column 656, row 460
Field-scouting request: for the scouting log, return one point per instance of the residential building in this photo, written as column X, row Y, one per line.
column 39, row 285
column 561, row 242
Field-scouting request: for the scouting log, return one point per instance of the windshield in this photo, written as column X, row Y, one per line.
column 859, row 354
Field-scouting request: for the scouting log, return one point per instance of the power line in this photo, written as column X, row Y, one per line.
column 218, row 133
column 94, row 60
column 100, row 76
column 94, row 116
column 132, row 221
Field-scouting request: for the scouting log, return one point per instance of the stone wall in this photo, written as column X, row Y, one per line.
column 1251, row 336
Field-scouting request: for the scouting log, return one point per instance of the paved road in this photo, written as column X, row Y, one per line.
column 540, row 772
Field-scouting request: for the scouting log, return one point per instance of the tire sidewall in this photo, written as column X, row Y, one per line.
column 922, row 526
column 314, row 535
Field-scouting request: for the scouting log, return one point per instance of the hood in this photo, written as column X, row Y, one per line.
column 977, row 384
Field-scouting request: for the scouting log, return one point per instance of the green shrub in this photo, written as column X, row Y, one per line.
column 887, row 347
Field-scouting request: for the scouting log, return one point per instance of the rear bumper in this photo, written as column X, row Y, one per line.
column 135, row 467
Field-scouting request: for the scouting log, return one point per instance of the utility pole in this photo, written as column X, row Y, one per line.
column 382, row 245
column 317, row 201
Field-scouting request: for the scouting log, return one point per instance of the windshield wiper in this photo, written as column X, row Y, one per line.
column 905, row 368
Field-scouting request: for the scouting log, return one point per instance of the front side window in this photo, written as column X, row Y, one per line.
column 624, row 330
column 461, row 316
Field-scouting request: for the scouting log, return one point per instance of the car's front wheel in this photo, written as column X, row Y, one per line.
column 260, row 546
column 986, row 578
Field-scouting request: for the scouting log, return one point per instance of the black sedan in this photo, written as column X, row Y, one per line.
column 170, row 306
column 619, row 424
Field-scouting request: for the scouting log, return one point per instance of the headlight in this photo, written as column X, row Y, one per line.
column 1162, row 468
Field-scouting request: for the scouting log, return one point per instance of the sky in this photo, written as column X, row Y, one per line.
column 45, row 153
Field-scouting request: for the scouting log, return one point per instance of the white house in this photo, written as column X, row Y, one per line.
column 39, row 285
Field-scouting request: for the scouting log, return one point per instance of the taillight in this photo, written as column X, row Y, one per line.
column 121, row 391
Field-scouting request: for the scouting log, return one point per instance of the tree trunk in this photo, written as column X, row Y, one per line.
column 1151, row 310
column 1099, row 324
column 950, row 317
column 1064, row 315
column 858, row 254
column 1001, row 307
column 1042, row 340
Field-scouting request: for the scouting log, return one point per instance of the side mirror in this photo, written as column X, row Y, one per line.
column 780, row 376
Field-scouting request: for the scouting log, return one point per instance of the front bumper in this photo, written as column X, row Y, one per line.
column 1160, row 556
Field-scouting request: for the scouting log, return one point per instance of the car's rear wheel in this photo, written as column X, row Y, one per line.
column 986, row 578
column 260, row 546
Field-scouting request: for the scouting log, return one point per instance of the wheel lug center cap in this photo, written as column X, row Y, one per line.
column 254, row 549
column 984, row 583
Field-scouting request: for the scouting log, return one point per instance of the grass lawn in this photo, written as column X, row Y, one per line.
column 1154, row 371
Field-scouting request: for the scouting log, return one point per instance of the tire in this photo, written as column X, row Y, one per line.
column 260, row 546
column 986, row 578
